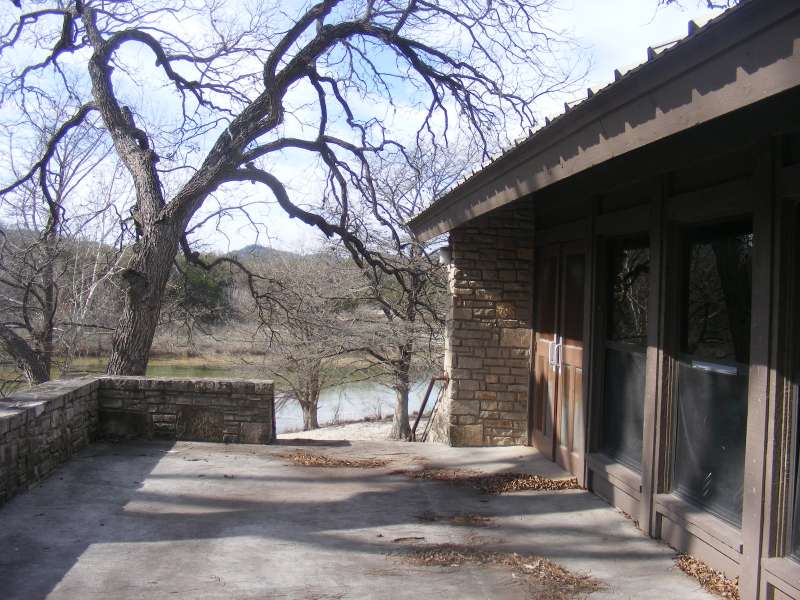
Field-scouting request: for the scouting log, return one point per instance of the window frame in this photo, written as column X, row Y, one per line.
column 609, row 244
column 680, row 234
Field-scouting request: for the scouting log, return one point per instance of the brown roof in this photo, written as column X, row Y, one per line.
column 615, row 112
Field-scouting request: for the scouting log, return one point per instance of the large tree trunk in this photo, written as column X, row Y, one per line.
column 144, row 280
column 30, row 362
column 310, row 420
column 312, row 385
column 401, row 430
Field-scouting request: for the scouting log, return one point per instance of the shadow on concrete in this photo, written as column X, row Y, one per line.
column 114, row 516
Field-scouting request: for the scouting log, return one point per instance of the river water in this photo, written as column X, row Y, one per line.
column 345, row 402
column 353, row 401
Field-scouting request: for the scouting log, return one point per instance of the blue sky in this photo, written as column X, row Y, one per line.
column 614, row 33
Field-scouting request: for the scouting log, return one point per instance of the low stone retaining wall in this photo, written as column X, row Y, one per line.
column 202, row 410
column 42, row 427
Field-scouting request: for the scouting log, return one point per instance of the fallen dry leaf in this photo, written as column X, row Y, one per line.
column 545, row 579
column 711, row 580
column 498, row 483
column 308, row 459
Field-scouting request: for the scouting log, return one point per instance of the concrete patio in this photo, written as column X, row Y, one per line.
column 202, row 520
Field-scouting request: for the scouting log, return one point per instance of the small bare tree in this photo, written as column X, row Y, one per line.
column 243, row 88
column 53, row 267
column 401, row 321
column 311, row 333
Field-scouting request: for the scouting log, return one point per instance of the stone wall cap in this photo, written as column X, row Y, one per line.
column 183, row 379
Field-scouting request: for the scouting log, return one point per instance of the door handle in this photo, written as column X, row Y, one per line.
column 558, row 360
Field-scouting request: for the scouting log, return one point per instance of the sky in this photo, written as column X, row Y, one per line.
column 613, row 33
column 610, row 34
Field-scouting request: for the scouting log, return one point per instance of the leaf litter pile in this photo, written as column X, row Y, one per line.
column 498, row 483
column 545, row 579
column 711, row 580
column 308, row 459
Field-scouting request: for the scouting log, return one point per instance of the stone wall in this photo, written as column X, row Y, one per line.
column 42, row 427
column 489, row 331
column 209, row 410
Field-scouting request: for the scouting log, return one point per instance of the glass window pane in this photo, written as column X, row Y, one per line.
column 716, row 323
column 710, row 438
column 623, row 409
column 630, row 287
column 574, row 266
column 546, row 267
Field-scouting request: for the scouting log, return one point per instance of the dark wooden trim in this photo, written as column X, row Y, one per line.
column 782, row 435
column 589, row 342
column 760, row 375
column 715, row 532
column 653, row 382
column 730, row 199
column 787, row 571
column 669, row 299
column 597, row 379
column 568, row 232
column 617, row 474
column 622, row 222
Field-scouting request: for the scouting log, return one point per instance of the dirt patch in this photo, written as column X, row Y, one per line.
column 309, row 459
column 711, row 580
column 464, row 520
column 544, row 579
column 498, row 483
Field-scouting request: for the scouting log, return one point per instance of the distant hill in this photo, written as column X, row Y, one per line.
column 263, row 253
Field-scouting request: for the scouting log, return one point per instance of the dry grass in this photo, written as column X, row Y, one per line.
column 711, row 580
column 498, row 483
column 545, row 579
column 463, row 520
column 308, row 459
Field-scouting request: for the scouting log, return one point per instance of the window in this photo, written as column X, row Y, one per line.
column 712, row 371
column 625, row 352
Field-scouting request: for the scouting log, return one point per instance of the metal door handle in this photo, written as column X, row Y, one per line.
column 558, row 360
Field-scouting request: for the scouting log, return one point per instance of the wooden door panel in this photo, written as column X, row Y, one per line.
column 556, row 417
column 542, row 414
column 572, row 286
column 544, row 393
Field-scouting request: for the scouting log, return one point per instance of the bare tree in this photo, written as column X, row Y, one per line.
column 242, row 88
column 52, row 267
column 402, row 322
column 312, row 335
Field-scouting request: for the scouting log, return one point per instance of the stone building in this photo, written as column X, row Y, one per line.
column 624, row 286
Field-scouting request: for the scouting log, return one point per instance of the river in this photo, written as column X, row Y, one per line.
column 345, row 402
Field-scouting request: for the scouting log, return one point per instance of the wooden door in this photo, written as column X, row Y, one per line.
column 569, row 417
column 557, row 419
column 545, row 376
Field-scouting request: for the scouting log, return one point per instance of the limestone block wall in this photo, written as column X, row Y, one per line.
column 489, row 331
column 42, row 427
column 208, row 410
